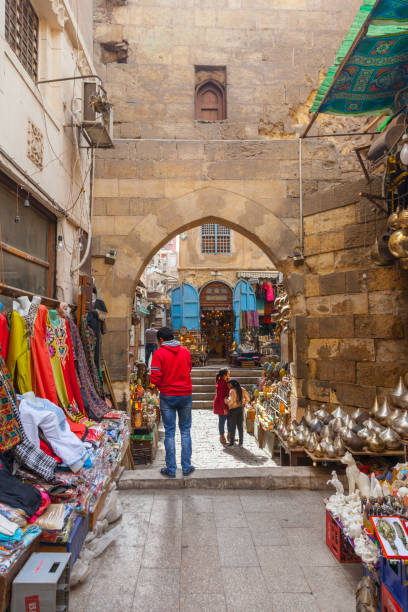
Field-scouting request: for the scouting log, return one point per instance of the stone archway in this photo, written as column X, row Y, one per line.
column 137, row 238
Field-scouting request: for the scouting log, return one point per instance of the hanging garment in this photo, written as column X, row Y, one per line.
column 89, row 344
column 62, row 337
column 25, row 452
column 4, row 336
column 18, row 356
column 10, row 433
column 41, row 369
column 269, row 292
column 268, row 308
column 40, row 413
column 15, row 493
column 97, row 408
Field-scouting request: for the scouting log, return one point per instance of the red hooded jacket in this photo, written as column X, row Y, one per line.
column 171, row 369
column 221, row 393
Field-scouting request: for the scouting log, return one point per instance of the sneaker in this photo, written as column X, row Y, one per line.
column 166, row 472
column 189, row 471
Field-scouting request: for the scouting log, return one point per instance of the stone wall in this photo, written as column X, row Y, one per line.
column 352, row 342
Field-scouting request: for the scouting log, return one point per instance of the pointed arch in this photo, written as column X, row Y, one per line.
column 210, row 102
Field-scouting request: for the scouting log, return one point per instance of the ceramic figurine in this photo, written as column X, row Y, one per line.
column 375, row 487
column 355, row 477
column 336, row 483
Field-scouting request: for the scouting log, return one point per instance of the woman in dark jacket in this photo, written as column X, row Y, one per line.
column 220, row 408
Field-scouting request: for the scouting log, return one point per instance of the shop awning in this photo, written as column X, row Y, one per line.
column 371, row 65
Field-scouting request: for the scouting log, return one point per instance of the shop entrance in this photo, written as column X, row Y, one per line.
column 217, row 321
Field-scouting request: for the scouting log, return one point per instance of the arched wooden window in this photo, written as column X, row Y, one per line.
column 210, row 102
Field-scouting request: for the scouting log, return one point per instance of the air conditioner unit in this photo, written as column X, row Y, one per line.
column 97, row 116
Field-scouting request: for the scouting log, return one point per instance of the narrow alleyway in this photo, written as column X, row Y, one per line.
column 208, row 453
column 213, row 551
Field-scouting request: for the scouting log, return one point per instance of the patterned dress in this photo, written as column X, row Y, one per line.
column 97, row 408
column 89, row 344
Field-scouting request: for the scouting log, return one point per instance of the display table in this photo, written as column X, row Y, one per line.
column 291, row 456
column 6, row 579
column 74, row 542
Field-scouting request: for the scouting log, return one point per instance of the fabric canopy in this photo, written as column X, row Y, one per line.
column 371, row 66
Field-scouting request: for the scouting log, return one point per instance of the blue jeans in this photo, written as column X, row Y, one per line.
column 150, row 348
column 222, row 419
column 170, row 405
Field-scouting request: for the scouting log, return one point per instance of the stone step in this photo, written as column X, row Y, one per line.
column 312, row 478
column 203, row 388
column 203, row 396
column 201, row 373
column 243, row 380
column 203, row 404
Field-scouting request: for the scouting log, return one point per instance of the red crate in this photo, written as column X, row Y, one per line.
column 388, row 602
column 338, row 543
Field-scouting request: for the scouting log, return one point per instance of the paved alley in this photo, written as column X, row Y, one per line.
column 213, row 551
column 209, row 453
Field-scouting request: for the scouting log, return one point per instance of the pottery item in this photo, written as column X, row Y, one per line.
column 398, row 392
column 336, row 425
column 312, row 442
column 356, row 444
column 375, row 408
column 375, row 443
column 318, row 451
column 308, row 415
column 365, row 434
column 301, row 438
column 400, row 425
column 331, row 451
column 384, row 412
column 347, row 435
column 356, row 413
column 291, row 440
column 339, row 446
column 394, row 414
column 363, row 417
column 391, row 439
column 339, row 413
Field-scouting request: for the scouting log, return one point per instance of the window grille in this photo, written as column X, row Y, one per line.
column 215, row 239
column 22, row 33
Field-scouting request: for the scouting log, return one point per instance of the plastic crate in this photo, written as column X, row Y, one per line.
column 388, row 602
column 394, row 576
column 338, row 543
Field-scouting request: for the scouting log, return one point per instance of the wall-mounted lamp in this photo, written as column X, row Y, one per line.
column 110, row 257
column 184, row 236
column 27, row 202
column 59, row 241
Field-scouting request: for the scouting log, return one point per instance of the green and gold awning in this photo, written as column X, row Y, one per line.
column 371, row 65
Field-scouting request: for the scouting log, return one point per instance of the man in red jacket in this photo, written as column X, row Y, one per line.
column 171, row 373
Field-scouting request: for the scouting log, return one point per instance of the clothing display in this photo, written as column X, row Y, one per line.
column 269, row 295
column 90, row 347
column 18, row 355
column 96, row 406
column 4, row 336
column 41, row 369
column 37, row 413
column 15, row 493
column 10, row 433
column 25, row 452
column 59, row 328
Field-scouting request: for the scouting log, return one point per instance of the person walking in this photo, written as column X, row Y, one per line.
column 236, row 401
column 150, row 342
column 171, row 374
column 220, row 408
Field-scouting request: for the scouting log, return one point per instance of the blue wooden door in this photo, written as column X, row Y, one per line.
column 244, row 300
column 185, row 307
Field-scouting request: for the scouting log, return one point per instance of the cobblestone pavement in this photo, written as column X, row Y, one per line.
column 219, row 551
column 208, row 453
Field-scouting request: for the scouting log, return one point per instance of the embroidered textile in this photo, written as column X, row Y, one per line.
column 97, row 408
column 10, row 433
column 374, row 60
column 89, row 344
column 25, row 452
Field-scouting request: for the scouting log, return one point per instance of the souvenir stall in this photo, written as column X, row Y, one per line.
column 61, row 444
column 145, row 418
column 196, row 344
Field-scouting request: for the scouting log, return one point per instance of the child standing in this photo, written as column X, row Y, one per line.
column 236, row 401
column 220, row 406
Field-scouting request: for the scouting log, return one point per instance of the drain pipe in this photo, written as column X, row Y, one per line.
column 300, row 199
